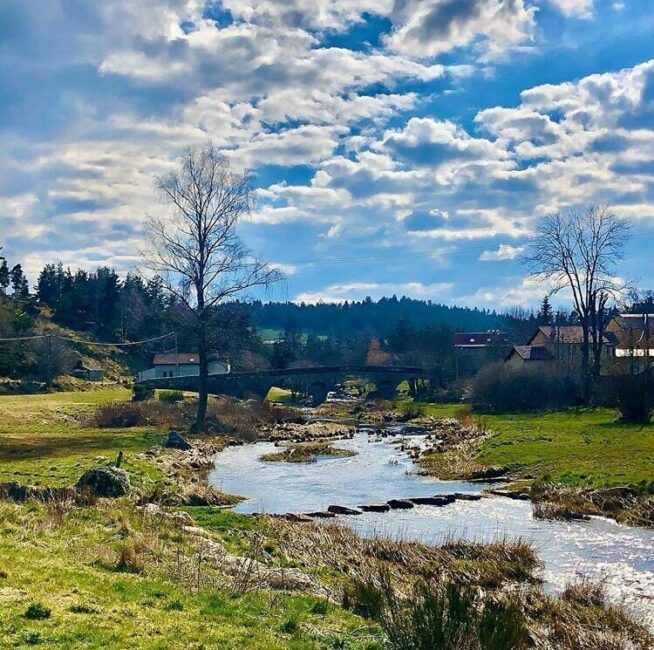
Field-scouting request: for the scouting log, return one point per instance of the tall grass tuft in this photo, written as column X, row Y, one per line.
column 441, row 615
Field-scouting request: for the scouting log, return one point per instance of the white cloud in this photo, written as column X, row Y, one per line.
column 426, row 28
column 438, row 291
column 577, row 8
column 503, row 252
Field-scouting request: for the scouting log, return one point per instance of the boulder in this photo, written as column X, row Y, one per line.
column 109, row 482
column 320, row 514
column 400, row 504
column 343, row 510
column 177, row 441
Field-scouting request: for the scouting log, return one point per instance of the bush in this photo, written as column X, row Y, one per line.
column 635, row 397
column 171, row 396
column 441, row 616
column 121, row 415
column 142, row 392
column 37, row 612
column 498, row 388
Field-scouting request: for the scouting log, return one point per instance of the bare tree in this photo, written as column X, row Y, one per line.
column 579, row 250
column 52, row 358
column 196, row 250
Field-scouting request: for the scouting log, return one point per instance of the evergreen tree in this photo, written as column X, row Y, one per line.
column 545, row 314
column 19, row 284
column 4, row 275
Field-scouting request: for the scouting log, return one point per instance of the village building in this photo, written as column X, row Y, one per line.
column 473, row 350
column 88, row 373
column 634, row 334
column 186, row 364
column 557, row 347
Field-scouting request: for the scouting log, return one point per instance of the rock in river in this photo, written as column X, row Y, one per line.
column 343, row 510
column 375, row 507
column 400, row 504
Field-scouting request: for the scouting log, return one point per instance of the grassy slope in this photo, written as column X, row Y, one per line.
column 584, row 447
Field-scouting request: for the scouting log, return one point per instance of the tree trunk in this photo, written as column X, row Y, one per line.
column 203, row 381
column 585, row 362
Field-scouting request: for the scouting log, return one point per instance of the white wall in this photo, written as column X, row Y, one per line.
column 183, row 370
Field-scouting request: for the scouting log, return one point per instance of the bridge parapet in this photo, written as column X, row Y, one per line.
column 316, row 381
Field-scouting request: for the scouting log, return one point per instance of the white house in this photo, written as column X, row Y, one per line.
column 186, row 364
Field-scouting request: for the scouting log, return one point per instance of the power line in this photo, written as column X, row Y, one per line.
column 84, row 342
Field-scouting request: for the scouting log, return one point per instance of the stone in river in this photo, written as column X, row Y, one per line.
column 400, row 504
column 375, row 507
column 464, row 496
column 320, row 514
column 342, row 510
column 438, row 500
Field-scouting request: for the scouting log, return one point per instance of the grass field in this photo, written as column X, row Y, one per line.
column 104, row 577
column 580, row 447
column 47, row 440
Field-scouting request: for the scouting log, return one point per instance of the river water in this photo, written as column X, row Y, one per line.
column 622, row 556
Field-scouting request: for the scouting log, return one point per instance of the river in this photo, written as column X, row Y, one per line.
column 622, row 556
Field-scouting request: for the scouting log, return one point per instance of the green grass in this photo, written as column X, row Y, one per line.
column 67, row 563
column 576, row 447
column 45, row 439
column 279, row 395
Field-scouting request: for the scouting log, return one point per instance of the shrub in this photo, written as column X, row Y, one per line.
column 142, row 392
column 171, row 396
column 635, row 397
column 441, row 616
column 118, row 415
column 37, row 612
column 499, row 388
column 411, row 410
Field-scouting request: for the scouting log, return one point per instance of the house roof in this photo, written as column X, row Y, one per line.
column 174, row 359
column 480, row 339
column 568, row 334
column 531, row 353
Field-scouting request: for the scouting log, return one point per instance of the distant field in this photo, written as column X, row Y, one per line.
column 586, row 447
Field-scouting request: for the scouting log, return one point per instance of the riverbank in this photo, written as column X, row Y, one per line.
column 190, row 576
column 582, row 461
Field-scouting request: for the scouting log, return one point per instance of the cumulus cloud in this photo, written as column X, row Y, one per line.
column 426, row 28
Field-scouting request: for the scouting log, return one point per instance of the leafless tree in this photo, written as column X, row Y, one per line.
column 196, row 250
column 52, row 358
column 580, row 250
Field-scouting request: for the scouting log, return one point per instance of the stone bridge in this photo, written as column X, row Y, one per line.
column 316, row 382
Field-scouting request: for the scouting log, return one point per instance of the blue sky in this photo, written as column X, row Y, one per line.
column 399, row 146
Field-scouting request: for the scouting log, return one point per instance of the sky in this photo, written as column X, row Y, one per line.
column 400, row 147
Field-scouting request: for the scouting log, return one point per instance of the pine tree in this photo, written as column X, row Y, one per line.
column 545, row 314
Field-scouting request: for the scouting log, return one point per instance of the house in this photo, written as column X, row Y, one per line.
column 558, row 347
column 523, row 356
column 186, row 364
column 472, row 350
column 82, row 371
column 634, row 334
